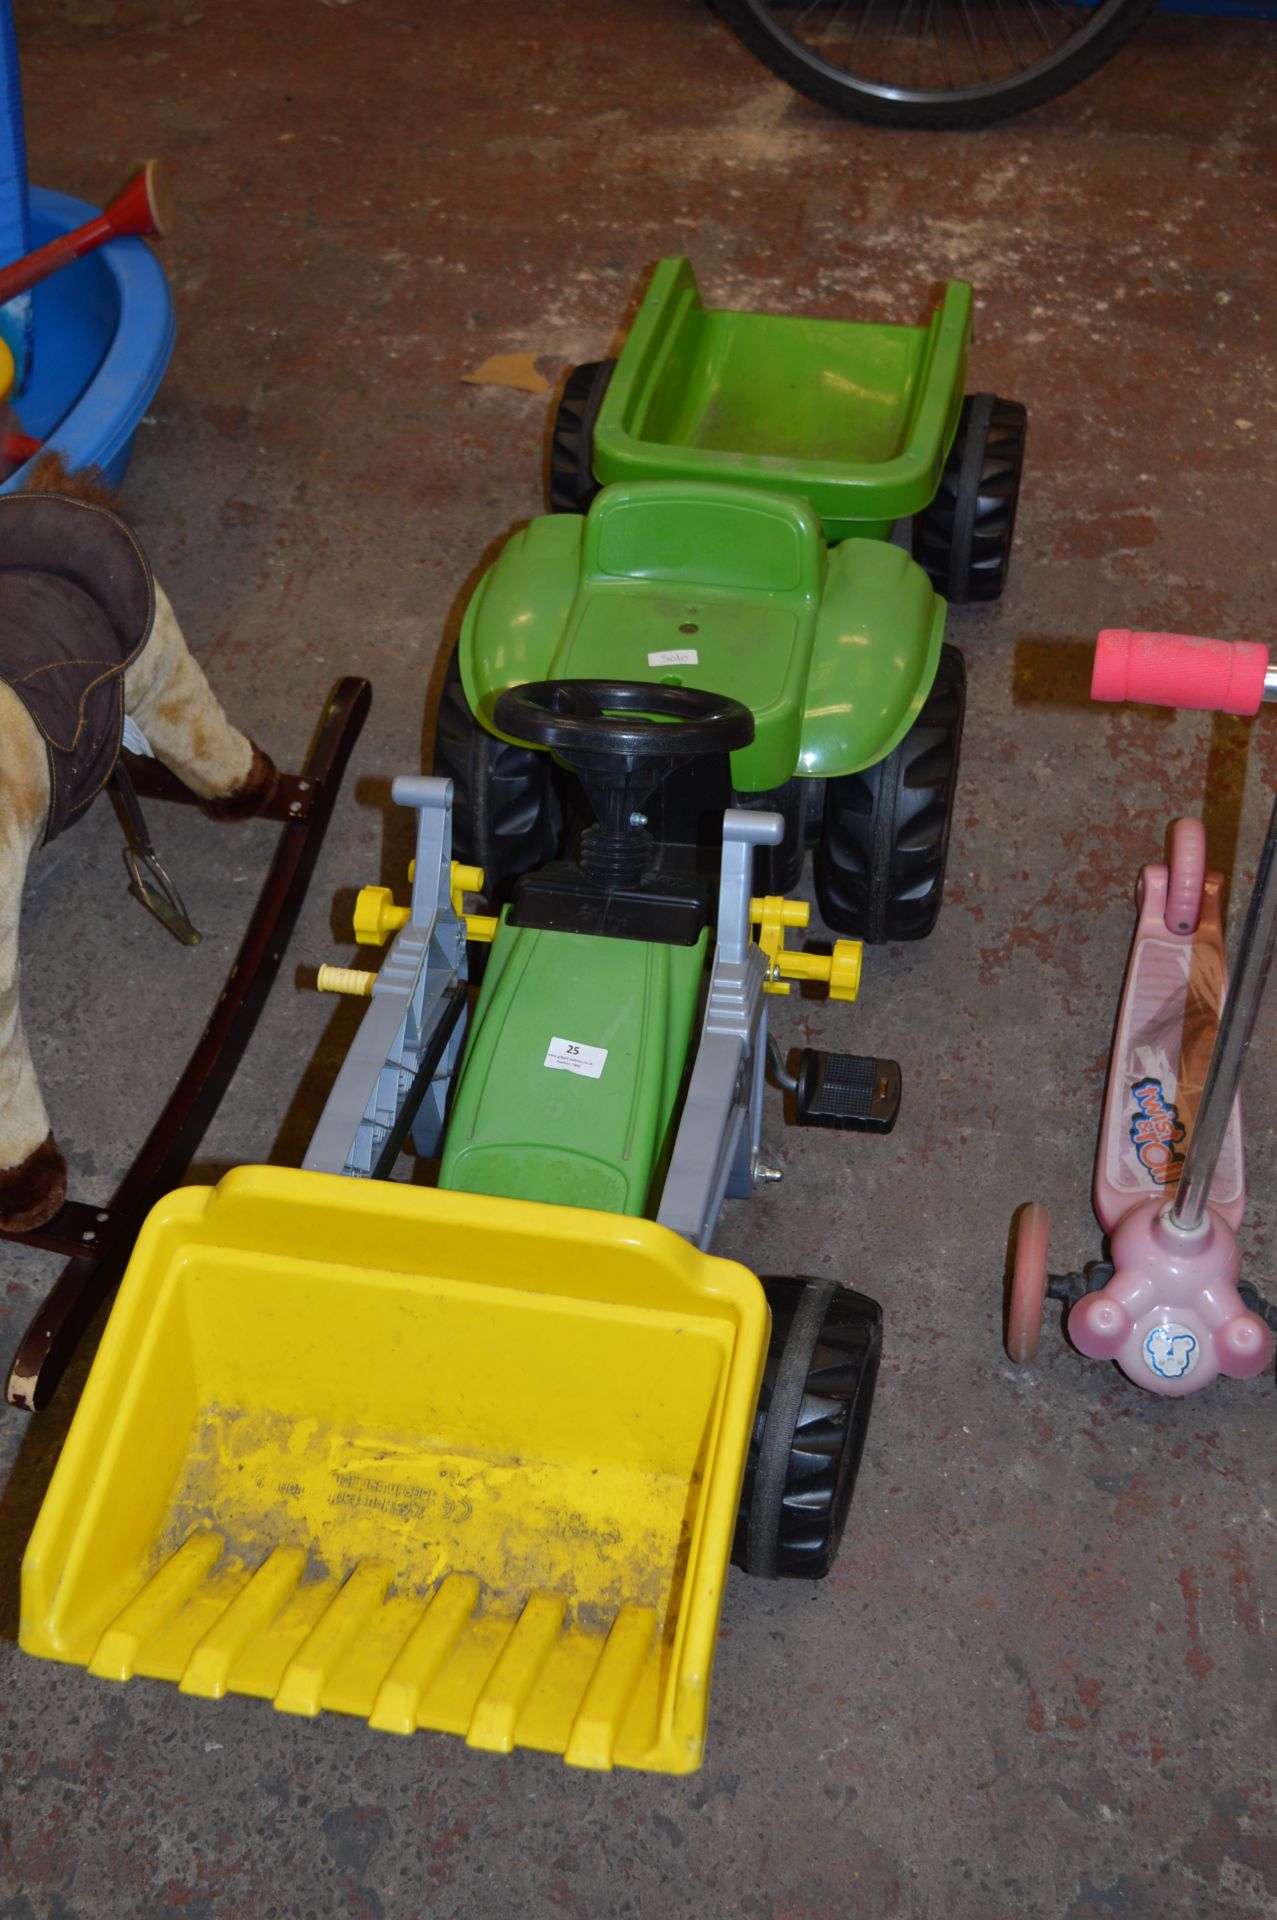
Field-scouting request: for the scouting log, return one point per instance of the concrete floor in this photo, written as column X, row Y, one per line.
column 1040, row 1679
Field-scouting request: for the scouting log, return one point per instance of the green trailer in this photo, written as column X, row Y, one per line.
column 870, row 424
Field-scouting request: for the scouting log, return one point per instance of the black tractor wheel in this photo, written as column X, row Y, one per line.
column 809, row 1428
column 507, row 813
column 572, row 482
column 963, row 539
column 880, row 867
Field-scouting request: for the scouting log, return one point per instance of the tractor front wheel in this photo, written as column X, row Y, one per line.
column 809, row 1428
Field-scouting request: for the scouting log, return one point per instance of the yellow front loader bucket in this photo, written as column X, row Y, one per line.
column 437, row 1459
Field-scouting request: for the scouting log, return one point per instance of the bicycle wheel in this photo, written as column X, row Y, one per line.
column 933, row 63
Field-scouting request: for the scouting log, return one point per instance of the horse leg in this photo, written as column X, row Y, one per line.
column 32, row 1169
column 166, row 692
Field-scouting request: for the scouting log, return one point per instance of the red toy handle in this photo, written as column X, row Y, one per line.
column 144, row 206
column 17, row 448
column 1179, row 670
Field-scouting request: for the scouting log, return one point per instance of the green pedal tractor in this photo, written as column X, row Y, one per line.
column 475, row 1455
column 725, row 494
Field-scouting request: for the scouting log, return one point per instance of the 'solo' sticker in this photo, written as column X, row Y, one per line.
column 675, row 657
column 573, row 1056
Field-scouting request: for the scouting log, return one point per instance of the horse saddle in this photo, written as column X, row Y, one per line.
column 77, row 603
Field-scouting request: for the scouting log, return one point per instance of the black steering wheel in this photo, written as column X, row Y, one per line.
column 590, row 722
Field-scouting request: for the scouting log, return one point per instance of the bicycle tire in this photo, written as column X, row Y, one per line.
column 855, row 92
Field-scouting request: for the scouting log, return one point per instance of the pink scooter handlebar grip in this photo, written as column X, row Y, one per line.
column 1179, row 670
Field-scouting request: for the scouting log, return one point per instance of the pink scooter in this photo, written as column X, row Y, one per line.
column 1170, row 1182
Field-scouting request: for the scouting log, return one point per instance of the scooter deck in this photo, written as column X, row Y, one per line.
column 1166, row 1027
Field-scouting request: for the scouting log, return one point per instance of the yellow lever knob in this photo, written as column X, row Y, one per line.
column 773, row 909
column 377, row 916
column 345, row 980
column 844, row 969
column 463, row 880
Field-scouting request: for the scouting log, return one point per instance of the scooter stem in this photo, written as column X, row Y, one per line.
column 1228, row 1056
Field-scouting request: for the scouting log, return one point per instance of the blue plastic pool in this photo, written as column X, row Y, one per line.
column 104, row 332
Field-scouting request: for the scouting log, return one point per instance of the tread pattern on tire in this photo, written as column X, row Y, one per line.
column 572, row 482
column 962, row 540
column 880, row 869
column 507, row 816
column 824, row 1427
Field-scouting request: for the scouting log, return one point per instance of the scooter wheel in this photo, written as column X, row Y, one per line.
column 1187, row 880
column 1028, row 1285
column 809, row 1428
column 572, row 482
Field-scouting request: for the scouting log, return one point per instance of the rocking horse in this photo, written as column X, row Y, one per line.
column 86, row 636
column 92, row 659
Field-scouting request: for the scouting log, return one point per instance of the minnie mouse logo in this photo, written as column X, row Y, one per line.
column 1171, row 1351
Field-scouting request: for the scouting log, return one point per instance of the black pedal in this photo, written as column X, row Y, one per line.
column 847, row 1090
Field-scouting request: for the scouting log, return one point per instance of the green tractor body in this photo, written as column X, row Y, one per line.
column 701, row 584
column 582, row 1118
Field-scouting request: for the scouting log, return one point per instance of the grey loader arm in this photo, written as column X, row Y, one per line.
column 417, row 988
column 716, row 1147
